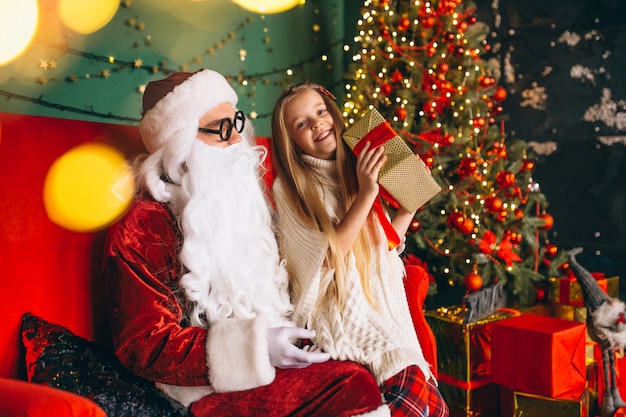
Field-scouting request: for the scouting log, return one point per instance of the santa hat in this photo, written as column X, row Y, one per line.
column 171, row 110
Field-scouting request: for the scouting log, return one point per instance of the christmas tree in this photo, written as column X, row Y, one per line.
column 425, row 66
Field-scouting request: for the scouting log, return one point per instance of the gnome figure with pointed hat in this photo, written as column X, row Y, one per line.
column 606, row 324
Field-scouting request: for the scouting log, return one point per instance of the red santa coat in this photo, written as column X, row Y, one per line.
column 153, row 340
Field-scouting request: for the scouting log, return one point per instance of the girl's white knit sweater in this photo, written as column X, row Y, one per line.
column 382, row 339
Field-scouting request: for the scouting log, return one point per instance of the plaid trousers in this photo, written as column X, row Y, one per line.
column 408, row 394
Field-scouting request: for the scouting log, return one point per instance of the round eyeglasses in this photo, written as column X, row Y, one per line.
column 226, row 126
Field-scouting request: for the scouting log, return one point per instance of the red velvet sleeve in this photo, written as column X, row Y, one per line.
column 141, row 275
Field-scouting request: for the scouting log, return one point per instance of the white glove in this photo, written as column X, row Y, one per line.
column 283, row 354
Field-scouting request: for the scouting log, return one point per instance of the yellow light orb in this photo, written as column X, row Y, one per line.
column 88, row 188
column 18, row 21
column 268, row 6
column 87, row 16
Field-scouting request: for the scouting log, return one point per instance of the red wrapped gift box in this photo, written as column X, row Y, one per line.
column 539, row 355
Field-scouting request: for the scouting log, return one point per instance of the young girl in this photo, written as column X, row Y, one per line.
column 345, row 282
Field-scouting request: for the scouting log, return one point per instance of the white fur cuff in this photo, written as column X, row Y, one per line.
column 237, row 356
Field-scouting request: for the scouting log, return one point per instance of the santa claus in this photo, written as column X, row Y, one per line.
column 197, row 292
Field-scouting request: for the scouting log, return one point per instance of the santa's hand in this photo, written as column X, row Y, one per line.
column 283, row 354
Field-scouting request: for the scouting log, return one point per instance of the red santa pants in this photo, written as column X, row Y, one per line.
column 329, row 389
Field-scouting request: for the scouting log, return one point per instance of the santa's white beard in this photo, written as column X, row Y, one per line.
column 229, row 249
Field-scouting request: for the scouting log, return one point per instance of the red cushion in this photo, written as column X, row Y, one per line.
column 22, row 399
column 416, row 287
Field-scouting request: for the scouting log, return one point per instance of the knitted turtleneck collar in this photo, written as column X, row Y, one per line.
column 322, row 165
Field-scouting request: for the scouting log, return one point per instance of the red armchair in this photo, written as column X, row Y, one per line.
column 52, row 272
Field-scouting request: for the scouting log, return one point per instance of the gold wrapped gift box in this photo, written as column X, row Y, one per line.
column 567, row 291
column 464, row 349
column 404, row 177
column 480, row 400
column 530, row 405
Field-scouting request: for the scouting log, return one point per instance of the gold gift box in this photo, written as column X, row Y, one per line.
column 567, row 291
column 464, row 349
column 530, row 405
column 404, row 176
column 613, row 283
column 482, row 400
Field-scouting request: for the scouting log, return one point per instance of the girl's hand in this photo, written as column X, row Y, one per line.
column 368, row 165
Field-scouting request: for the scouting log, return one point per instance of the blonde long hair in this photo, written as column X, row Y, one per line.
column 301, row 182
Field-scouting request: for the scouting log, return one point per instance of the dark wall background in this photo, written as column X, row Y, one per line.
column 563, row 63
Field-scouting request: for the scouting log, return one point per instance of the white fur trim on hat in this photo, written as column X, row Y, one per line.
column 172, row 124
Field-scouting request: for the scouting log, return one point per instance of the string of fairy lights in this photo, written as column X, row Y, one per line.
column 112, row 66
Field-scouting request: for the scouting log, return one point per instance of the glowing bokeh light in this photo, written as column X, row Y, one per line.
column 87, row 16
column 268, row 6
column 88, row 188
column 18, row 22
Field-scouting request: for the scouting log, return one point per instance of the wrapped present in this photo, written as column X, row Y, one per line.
column 463, row 349
column 567, row 290
column 475, row 399
column 613, row 286
column 569, row 312
column 540, row 355
column 532, row 405
column 592, row 387
column 405, row 179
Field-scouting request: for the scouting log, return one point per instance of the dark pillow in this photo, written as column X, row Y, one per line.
column 58, row 358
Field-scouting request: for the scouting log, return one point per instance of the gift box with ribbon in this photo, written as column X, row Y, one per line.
column 463, row 349
column 540, row 355
column 481, row 399
column 405, row 178
column 567, row 290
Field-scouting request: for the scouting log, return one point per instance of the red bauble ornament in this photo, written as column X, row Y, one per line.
column 527, row 165
column 456, row 220
column 415, row 225
column 467, row 227
column 443, row 67
column 401, row 113
column 500, row 93
column 428, row 159
column 449, row 37
column 548, row 221
column 505, row 179
column 478, row 122
column 386, row 89
column 485, row 81
column 493, row 204
column 540, row 294
column 551, row 250
column 428, row 22
column 519, row 214
column 448, row 139
column 473, row 281
column 503, row 215
column 467, row 166
column 397, row 76
column 404, row 23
